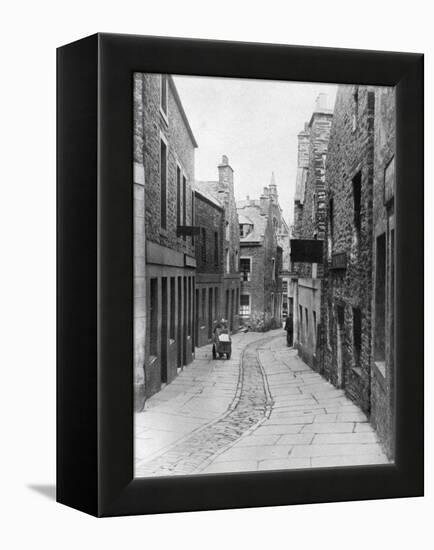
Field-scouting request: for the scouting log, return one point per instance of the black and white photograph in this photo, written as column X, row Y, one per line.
column 264, row 269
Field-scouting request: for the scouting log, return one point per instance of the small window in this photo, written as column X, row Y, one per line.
column 216, row 248
column 355, row 108
column 244, row 305
column 163, row 95
column 184, row 203
column 330, row 229
column 357, row 336
column 178, row 196
column 380, row 299
column 163, row 184
column 203, row 244
column 245, row 269
column 357, row 200
column 273, row 268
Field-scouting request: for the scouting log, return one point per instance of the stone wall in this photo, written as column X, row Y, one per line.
column 164, row 262
column 383, row 371
column 347, row 292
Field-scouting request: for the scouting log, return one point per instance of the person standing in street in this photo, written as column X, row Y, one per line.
column 289, row 327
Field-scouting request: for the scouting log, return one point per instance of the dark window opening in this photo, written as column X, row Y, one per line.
column 163, row 103
column 380, row 299
column 216, row 248
column 178, row 196
column 245, row 269
column 184, row 203
column 203, row 244
column 357, row 336
column 163, row 185
column 357, row 198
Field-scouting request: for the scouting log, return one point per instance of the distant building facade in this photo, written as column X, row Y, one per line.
column 309, row 224
column 262, row 236
column 209, row 247
column 223, row 191
column 165, row 258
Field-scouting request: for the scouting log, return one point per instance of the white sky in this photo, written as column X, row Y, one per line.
column 255, row 123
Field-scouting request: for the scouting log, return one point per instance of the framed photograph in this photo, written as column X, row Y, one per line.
column 240, row 257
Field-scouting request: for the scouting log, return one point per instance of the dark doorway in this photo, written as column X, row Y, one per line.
column 210, row 313
column 340, row 335
column 164, row 319
column 179, row 331
column 185, row 324
column 196, row 317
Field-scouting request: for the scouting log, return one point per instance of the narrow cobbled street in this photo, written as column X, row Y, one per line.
column 263, row 409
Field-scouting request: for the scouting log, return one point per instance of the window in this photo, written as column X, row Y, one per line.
column 228, row 261
column 313, row 207
column 285, row 286
column 184, row 203
column 245, row 229
column 273, row 267
column 245, row 269
column 178, row 196
column 307, row 322
column 330, row 229
column 355, row 107
column 203, row 244
column 216, row 248
column 163, row 184
column 357, row 199
column 163, row 94
column 227, row 232
column 244, row 305
column 380, row 299
column 192, row 215
column 357, row 336
column 154, row 317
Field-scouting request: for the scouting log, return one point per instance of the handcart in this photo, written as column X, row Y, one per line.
column 222, row 345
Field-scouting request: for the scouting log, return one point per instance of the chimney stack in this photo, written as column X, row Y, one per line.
column 321, row 102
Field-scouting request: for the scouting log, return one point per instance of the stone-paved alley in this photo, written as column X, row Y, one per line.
column 263, row 409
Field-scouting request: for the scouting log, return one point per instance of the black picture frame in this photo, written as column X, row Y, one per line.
column 95, row 275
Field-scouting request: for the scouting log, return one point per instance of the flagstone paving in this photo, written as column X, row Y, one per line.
column 264, row 409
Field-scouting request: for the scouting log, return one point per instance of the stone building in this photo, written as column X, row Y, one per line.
column 261, row 225
column 347, row 294
column 164, row 252
column 223, row 191
column 309, row 225
column 209, row 244
column 383, row 269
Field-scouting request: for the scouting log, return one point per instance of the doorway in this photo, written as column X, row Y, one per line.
column 339, row 346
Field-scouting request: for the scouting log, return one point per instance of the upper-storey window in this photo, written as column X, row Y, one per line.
column 245, row 229
column 355, row 107
column 245, row 269
column 163, row 94
column 163, row 184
